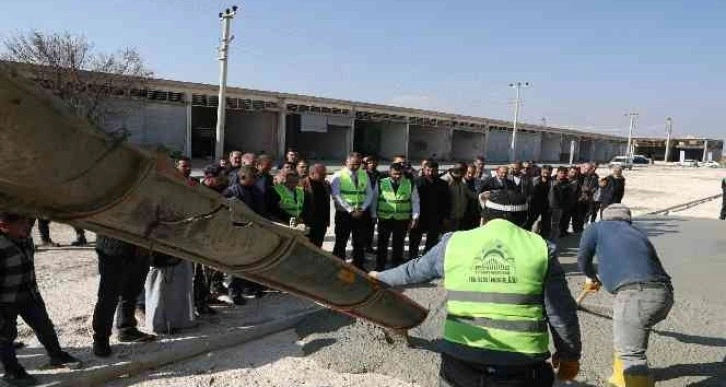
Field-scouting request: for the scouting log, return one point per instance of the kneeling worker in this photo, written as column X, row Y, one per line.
column 629, row 267
column 504, row 287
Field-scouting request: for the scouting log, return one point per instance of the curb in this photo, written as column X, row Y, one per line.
column 683, row 206
column 105, row 374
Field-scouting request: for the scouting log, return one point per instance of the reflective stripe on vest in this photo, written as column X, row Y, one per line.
column 291, row 204
column 352, row 194
column 494, row 276
column 394, row 205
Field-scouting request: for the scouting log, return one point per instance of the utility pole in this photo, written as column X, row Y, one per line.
column 544, row 121
column 669, row 129
column 226, row 18
column 633, row 119
column 513, row 147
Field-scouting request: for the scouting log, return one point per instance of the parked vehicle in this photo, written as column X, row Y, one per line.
column 688, row 163
column 638, row 159
column 621, row 161
column 709, row 164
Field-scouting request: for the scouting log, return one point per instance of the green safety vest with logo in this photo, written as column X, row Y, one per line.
column 394, row 205
column 494, row 277
column 352, row 194
column 291, row 204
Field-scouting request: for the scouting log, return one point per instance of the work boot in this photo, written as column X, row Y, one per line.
column 133, row 335
column 64, row 359
column 19, row 377
column 101, row 348
column 617, row 379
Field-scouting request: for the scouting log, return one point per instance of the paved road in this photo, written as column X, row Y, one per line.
column 689, row 348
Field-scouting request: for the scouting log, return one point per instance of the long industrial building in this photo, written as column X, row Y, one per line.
column 680, row 148
column 182, row 116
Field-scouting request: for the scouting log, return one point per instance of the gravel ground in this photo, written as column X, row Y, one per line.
column 331, row 350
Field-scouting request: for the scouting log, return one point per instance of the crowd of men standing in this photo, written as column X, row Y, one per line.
column 400, row 202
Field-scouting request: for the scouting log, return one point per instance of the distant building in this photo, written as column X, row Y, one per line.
column 692, row 148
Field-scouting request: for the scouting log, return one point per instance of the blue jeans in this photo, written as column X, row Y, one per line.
column 636, row 310
column 32, row 310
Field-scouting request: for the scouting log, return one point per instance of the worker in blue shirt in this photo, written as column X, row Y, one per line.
column 629, row 268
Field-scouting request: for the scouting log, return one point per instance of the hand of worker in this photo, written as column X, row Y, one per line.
column 413, row 225
column 591, row 285
column 566, row 369
column 373, row 274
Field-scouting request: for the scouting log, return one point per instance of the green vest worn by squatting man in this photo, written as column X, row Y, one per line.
column 394, row 205
column 291, row 204
column 494, row 276
column 353, row 194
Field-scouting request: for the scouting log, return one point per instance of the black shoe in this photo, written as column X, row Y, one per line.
column 101, row 348
column 49, row 243
column 64, row 359
column 18, row 344
column 133, row 335
column 79, row 242
column 239, row 300
column 205, row 310
column 19, row 377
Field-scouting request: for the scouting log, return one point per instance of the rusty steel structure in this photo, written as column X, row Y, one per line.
column 55, row 164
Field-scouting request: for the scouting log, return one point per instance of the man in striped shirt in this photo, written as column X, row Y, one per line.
column 19, row 296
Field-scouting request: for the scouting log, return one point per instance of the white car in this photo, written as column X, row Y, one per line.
column 709, row 164
column 621, row 161
column 687, row 163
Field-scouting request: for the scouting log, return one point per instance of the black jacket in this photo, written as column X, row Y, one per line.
column 540, row 193
column 250, row 196
column 435, row 201
column 560, row 195
column 492, row 183
column 525, row 185
column 317, row 213
column 589, row 185
column 613, row 191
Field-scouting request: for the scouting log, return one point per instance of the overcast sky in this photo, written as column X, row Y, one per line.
column 589, row 62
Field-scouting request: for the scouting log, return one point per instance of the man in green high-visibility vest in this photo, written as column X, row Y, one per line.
column 289, row 200
column 505, row 287
column 396, row 206
column 352, row 194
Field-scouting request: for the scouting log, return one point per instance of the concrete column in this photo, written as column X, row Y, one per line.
column 351, row 133
column 449, row 143
column 188, row 136
column 485, row 143
column 538, row 148
column 281, row 128
column 408, row 134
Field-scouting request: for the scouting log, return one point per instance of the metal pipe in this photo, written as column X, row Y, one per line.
column 101, row 183
column 669, row 129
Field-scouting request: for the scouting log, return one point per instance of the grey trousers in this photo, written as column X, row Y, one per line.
column 636, row 311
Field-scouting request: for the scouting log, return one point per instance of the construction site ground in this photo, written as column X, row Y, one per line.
column 280, row 340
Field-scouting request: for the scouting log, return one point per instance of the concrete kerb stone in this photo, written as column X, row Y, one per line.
column 103, row 374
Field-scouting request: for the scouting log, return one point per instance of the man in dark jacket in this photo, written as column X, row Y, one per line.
column 558, row 201
column 19, row 296
column 435, row 202
column 248, row 192
column 628, row 267
column 519, row 179
column 613, row 189
column 317, row 214
column 574, row 205
column 589, row 188
column 370, row 164
column 539, row 203
column 122, row 270
column 497, row 182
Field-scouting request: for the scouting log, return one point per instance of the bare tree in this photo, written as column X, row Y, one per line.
column 68, row 65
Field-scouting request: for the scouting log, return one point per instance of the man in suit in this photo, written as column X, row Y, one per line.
column 497, row 182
